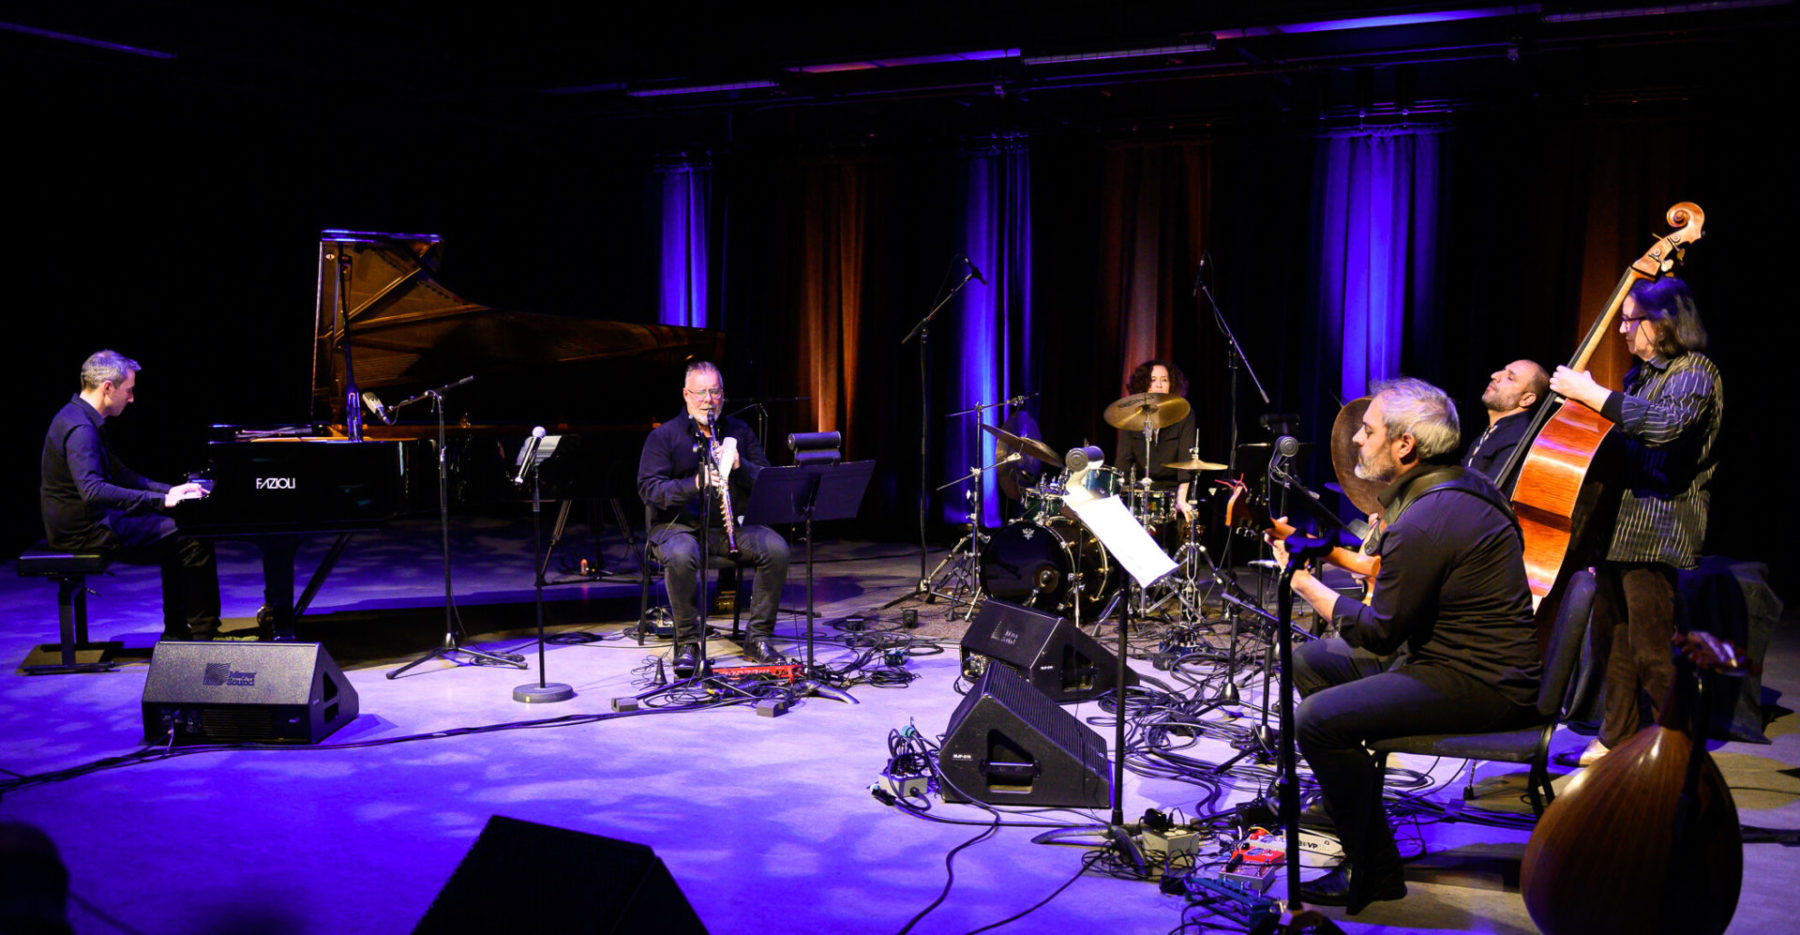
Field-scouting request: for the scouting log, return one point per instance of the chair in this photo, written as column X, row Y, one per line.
column 1526, row 744
column 69, row 570
column 647, row 557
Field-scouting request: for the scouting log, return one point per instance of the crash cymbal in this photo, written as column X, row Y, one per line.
column 1159, row 409
column 1194, row 464
column 1363, row 493
column 1029, row 447
column 1016, row 476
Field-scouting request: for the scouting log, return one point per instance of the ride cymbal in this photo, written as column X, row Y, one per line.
column 1159, row 409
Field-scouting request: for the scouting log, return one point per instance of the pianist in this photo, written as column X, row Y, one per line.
column 92, row 502
column 672, row 482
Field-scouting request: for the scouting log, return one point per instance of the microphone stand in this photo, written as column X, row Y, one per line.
column 543, row 691
column 1235, row 361
column 923, row 331
column 452, row 619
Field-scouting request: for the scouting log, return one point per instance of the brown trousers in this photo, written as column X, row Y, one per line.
column 1635, row 608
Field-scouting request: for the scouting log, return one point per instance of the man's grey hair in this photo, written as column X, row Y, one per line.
column 1416, row 408
column 702, row 366
column 102, row 366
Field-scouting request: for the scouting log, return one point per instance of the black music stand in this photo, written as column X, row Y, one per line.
column 531, row 461
column 805, row 492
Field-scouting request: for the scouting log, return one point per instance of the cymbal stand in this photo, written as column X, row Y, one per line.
column 452, row 619
column 957, row 579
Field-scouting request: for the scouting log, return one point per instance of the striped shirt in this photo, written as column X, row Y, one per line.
column 1669, row 414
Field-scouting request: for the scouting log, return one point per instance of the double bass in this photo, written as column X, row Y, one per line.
column 1552, row 495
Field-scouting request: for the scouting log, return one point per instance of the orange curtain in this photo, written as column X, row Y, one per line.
column 1154, row 213
column 1636, row 173
column 834, row 234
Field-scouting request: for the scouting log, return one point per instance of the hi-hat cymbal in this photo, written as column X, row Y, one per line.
column 1195, row 464
column 1159, row 409
column 1029, row 447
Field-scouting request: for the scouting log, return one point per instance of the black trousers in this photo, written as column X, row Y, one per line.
column 1635, row 606
column 1351, row 697
column 678, row 548
column 190, row 570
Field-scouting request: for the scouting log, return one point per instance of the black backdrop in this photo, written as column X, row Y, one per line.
column 175, row 219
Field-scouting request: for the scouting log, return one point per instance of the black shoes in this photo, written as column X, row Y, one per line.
column 687, row 660
column 759, row 650
column 1355, row 888
column 1315, row 817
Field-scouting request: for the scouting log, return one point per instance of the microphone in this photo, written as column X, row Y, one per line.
column 528, row 454
column 1287, row 446
column 373, row 403
column 974, row 270
column 1199, row 274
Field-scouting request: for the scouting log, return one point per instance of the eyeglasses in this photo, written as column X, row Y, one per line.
column 1630, row 321
column 714, row 393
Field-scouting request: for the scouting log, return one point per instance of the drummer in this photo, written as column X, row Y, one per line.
column 1170, row 444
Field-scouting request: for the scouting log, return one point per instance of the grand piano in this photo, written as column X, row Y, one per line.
column 382, row 312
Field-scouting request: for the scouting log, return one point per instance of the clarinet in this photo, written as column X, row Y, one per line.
column 724, row 484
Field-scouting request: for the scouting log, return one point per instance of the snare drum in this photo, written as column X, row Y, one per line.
column 1153, row 506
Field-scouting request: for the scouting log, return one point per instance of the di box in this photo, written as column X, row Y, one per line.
column 221, row 692
column 1052, row 652
column 520, row 876
column 1009, row 744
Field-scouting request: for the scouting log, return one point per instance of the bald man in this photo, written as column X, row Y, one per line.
column 1511, row 392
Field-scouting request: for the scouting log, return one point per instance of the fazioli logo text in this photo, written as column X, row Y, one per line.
column 274, row 483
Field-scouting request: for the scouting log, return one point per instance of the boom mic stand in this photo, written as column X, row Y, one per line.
column 1235, row 361
column 452, row 620
column 923, row 331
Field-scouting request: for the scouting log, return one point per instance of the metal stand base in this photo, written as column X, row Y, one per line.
column 534, row 693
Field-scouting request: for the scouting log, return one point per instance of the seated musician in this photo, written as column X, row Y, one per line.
column 1669, row 412
column 675, row 479
column 1170, row 444
column 1511, row 392
column 1450, row 599
column 92, row 502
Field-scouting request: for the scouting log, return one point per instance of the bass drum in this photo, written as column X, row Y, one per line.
column 1034, row 565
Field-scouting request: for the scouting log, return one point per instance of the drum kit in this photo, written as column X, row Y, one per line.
column 1046, row 560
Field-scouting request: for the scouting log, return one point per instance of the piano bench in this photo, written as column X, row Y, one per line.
column 69, row 570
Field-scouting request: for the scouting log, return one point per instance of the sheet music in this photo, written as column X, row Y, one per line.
column 1124, row 537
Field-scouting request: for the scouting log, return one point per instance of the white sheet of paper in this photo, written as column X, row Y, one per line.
column 1124, row 537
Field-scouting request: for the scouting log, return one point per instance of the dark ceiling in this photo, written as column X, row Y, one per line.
column 1299, row 60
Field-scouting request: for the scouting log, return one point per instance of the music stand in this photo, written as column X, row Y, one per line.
column 1145, row 563
column 802, row 493
column 531, row 461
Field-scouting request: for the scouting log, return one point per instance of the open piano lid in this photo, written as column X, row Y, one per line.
column 411, row 331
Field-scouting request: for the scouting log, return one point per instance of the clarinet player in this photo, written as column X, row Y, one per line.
column 677, row 479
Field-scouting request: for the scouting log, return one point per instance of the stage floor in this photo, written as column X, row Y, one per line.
column 766, row 823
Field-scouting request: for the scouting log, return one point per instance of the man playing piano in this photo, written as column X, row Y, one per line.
column 676, row 480
column 92, row 502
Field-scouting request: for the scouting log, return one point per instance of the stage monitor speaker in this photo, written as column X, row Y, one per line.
column 520, row 875
column 222, row 692
column 1009, row 744
column 1055, row 656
